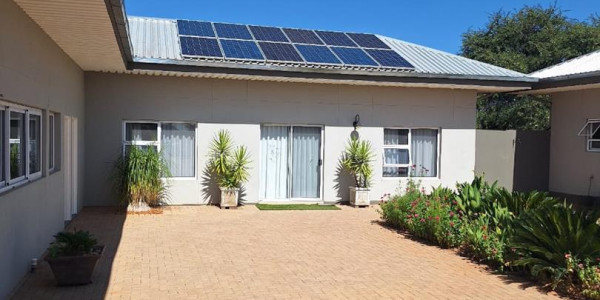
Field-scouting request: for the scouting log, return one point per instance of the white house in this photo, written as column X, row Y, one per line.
column 79, row 80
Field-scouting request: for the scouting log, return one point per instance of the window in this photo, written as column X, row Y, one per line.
column 410, row 152
column 17, row 146
column 51, row 142
column 176, row 142
column 591, row 130
column 35, row 144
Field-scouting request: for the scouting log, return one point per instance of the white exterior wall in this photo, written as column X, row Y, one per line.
column 573, row 170
column 241, row 106
column 36, row 73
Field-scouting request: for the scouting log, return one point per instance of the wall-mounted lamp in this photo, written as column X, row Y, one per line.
column 356, row 122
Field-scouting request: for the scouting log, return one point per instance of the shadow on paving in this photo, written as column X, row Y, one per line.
column 106, row 224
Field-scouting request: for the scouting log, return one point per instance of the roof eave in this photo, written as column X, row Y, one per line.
column 118, row 18
column 566, row 83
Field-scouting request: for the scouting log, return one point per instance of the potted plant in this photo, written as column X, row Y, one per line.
column 73, row 256
column 138, row 178
column 230, row 166
column 357, row 160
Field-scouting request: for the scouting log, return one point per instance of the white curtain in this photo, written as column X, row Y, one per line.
column 305, row 162
column 177, row 146
column 424, row 152
column 274, row 162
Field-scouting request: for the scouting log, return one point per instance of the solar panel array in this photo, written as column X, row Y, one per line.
column 285, row 45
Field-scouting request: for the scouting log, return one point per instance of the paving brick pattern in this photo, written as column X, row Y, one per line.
column 201, row 252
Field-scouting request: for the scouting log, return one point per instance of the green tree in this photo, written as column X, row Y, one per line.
column 527, row 40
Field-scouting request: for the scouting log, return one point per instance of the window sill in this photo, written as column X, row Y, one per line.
column 7, row 189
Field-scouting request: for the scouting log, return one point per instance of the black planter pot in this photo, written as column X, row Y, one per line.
column 74, row 270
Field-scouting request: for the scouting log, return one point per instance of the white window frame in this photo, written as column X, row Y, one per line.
column 12, row 181
column 38, row 113
column 410, row 155
column 591, row 133
column 157, row 143
column 51, row 141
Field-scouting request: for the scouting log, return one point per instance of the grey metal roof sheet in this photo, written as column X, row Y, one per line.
column 157, row 39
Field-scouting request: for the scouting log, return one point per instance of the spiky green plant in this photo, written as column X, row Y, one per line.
column 357, row 161
column 228, row 164
column 72, row 243
column 548, row 235
column 138, row 177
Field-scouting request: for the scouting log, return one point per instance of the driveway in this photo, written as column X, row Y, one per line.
column 201, row 252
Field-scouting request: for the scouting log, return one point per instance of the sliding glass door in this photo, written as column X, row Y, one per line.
column 290, row 162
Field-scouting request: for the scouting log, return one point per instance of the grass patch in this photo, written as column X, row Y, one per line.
column 296, row 207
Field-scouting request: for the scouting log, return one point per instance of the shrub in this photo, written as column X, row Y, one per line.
column 72, row 244
column 550, row 236
column 357, row 161
column 228, row 164
column 482, row 244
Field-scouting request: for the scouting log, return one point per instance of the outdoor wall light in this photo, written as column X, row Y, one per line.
column 356, row 122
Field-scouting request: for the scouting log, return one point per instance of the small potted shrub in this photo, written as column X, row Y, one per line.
column 230, row 166
column 357, row 161
column 73, row 256
column 138, row 179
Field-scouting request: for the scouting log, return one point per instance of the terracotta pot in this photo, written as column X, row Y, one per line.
column 359, row 196
column 229, row 197
column 74, row 270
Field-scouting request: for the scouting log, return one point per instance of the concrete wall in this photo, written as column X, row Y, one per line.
column 241, row 106
column 532, row 161
column 495, row 156
column 33, row 72
column 573, row 170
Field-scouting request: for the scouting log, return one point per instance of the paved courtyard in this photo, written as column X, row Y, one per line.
column 201, row 252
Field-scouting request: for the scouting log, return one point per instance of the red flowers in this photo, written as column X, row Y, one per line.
column 567, row 255
column 451, row 214
column 437, row 218
column 451, row 224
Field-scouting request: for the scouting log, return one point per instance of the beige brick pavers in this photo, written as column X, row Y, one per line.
column 201, row 252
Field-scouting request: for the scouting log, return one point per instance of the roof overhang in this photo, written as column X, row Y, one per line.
column 565, row 83
column 483, row 84
column 92, row 32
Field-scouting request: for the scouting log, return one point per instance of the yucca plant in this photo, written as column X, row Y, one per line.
column 138, row 178
column 547, row 236
column 228, row 164
column 357, row 161
column 72, row 243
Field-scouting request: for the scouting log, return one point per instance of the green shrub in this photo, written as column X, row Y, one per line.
column 72, row 244
column 548, row 236
column 229, row 165
column 481, row 243
column 357, row 159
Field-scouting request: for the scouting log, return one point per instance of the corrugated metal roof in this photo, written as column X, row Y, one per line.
column 157, row 39
column 583, row 64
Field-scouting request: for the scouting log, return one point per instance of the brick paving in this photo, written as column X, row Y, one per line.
column 201, row 252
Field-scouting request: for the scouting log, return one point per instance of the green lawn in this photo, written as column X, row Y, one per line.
column 296, row 207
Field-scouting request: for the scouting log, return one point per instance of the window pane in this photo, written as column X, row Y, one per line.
column 51, row 142
column 178, row 142
column 395, row 136
column 35, row 143
column 2, row 116
column 17, row 144
column 141, row 132
column 395, row 171
column 595, row 145
column 424, row 152
column 595, row 127
column 141, row 147
column 396, row 156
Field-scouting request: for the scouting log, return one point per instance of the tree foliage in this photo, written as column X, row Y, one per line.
column 527, row 40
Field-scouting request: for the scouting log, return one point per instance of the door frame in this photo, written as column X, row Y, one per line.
column 70, row 153
column 290, row 165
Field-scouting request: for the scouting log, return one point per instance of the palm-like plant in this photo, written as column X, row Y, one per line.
column 228, row 164
column 357, row 161
column 547, row 235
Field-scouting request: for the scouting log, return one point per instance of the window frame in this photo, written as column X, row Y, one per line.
column 158, row 143
column 590, row 135
column 12, row 181
column 410, row 155
column 51, row 142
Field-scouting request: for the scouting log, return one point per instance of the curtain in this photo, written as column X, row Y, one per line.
column 177, row 146
column 395, row 136
column 305, row 162
column 141, row 131
column 424, row 152
column 273, row 162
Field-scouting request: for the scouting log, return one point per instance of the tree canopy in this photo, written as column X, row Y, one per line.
column 526, row 40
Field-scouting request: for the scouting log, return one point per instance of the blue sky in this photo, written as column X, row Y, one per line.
column 437, row 24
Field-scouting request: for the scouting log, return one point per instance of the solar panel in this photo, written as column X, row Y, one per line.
column 317, row 54
column 271, row 34
column 303, row 36
column 241, row 49
column 196, row 46
column 389, row 58
column 233, row 31
column 280, row 51
column 368, row 40
column 353, row 56
column 335, row 38
column 195, row 28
